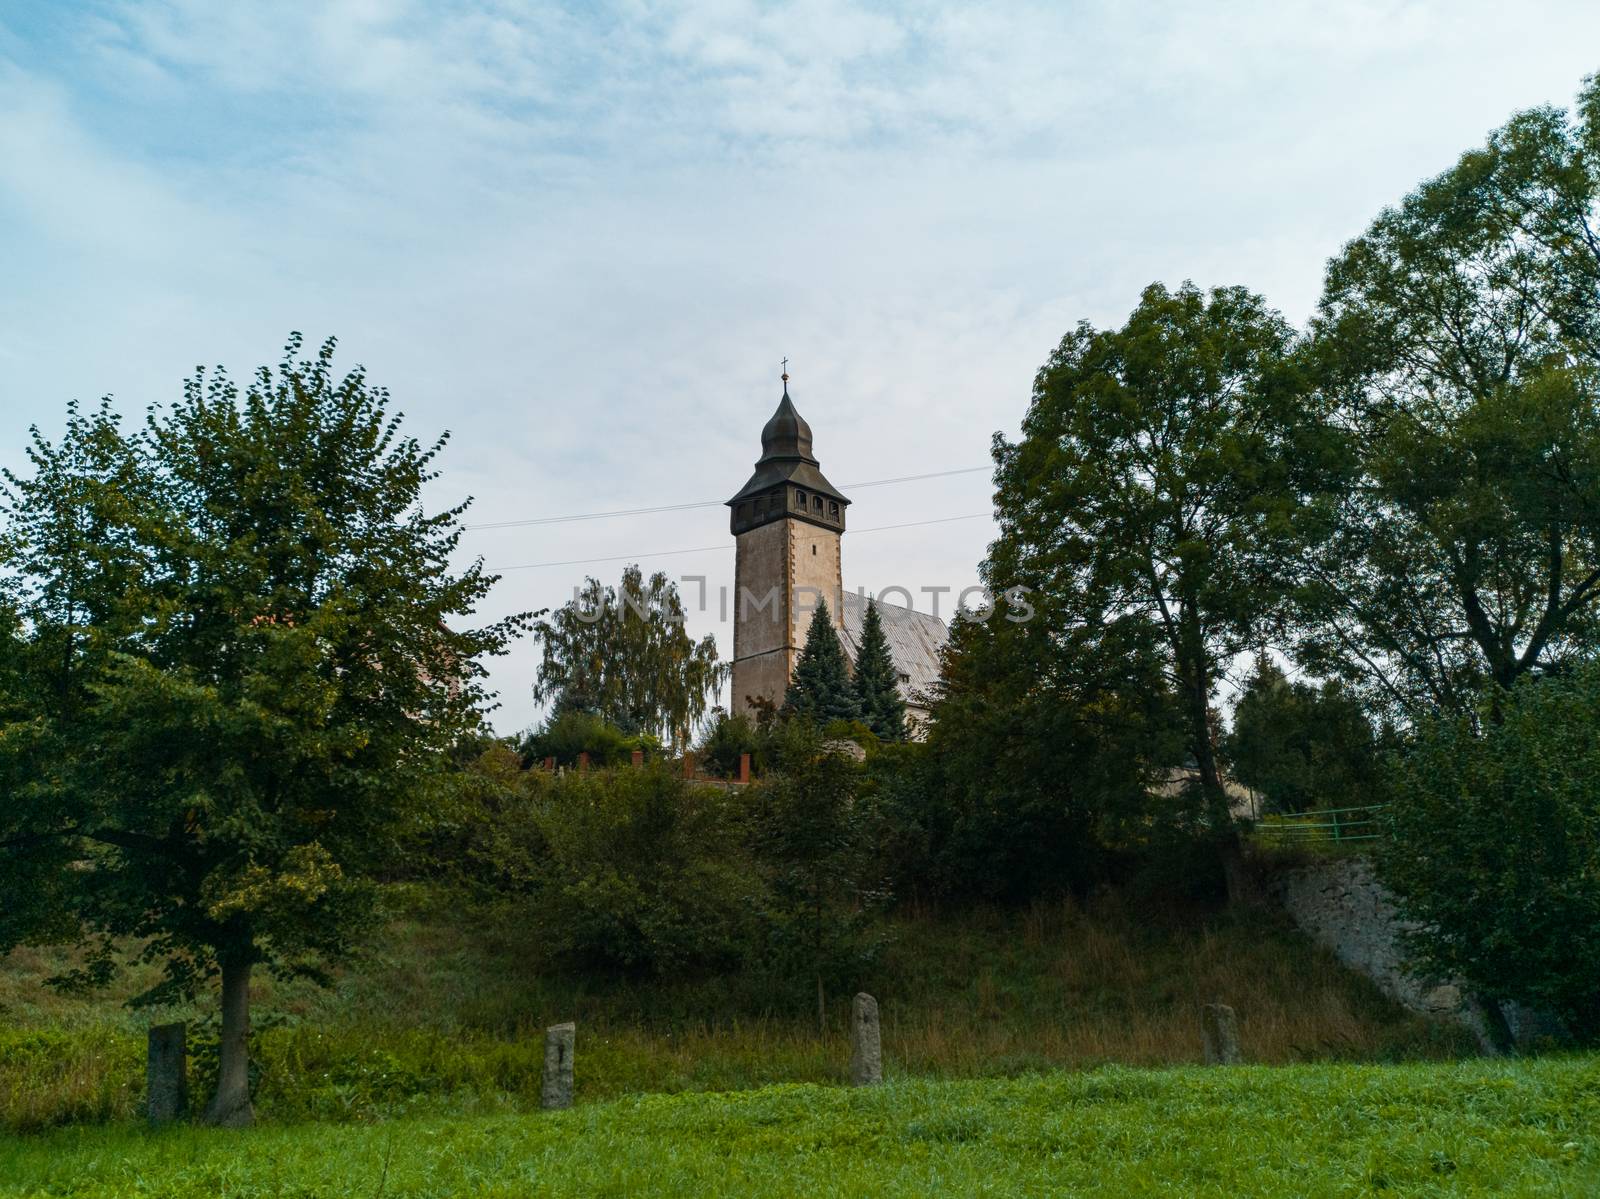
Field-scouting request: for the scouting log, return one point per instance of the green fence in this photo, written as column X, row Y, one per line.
column 1333, row 824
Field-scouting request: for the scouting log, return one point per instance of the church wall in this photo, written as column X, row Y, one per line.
column 779, row 570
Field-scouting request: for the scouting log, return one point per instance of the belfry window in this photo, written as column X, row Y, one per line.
column 816, row 503
column 833, row 509
column 799, row 499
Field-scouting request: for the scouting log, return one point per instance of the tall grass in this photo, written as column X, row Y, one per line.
column 449, row 1010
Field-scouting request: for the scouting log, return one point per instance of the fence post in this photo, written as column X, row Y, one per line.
column 1219, row 1029
column 167, row 1073
column 550, row 765
column 744, row 768
column 688, row 766
column 583, row 762
column 556, row 1091
column 1335, row 815
column 866, row 1042
column 638, row 758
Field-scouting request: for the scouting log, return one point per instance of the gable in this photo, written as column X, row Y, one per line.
column 915, row 642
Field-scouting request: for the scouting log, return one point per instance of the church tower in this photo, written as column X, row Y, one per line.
column 787, row 522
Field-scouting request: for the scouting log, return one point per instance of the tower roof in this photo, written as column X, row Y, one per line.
column 786, row 457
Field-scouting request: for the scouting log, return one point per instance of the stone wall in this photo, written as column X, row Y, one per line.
column 1341, row 905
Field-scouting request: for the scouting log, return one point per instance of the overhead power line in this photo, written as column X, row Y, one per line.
column 703, row 549
column 557, row 520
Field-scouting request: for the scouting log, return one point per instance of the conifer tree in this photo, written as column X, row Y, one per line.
column 876, row 681
column 821, row 686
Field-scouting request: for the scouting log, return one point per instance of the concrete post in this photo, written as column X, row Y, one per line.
column 167, row 1073
column 1219, row 1029
column 866, row 1043
column 558, row 1046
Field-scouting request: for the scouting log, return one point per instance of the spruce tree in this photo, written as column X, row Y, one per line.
column 821, row 686
column 876, row 681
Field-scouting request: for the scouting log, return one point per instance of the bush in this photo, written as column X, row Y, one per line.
column 726, row 740
column 641, row 871
column 1496, row 847
column 564, row 737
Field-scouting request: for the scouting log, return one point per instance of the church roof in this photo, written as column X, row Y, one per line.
column 915, row 641
column 786, row 457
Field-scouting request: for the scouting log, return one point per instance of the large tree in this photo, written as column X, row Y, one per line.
column 241, row 674
column 821, row 687
column 877, row 683
column 624, row 655
column 1457, row 347
column 1149, row 493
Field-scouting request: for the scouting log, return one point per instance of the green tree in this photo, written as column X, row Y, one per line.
column 876, row 681
column 821, row 688
column 1496, row 847
column 814, row 834
column 1301, row 745
column 623, row 654
column 1457, row 348
column 1152, row 487
column 244, row 680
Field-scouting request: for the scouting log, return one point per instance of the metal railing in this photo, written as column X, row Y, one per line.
column 1330, row 824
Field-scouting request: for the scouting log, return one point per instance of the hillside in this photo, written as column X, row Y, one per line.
column 446, row 1011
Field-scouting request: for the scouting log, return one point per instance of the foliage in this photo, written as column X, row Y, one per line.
column 877, row 683
column 1302, row 746
column 1473, row 1128
column 813, row 835
column 1496, row 847
column 568, row 733
column 1457, row 349
column 1043, row 749
column 623, row 654
column 820, row 689
column 240, row 675
column 1146, row 504
column 641, row 871
column 727, row 739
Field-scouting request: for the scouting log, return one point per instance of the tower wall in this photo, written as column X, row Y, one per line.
column 780, row 570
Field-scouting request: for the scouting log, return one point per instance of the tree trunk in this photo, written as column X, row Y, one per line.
column 1235, row 872
column 822, row 1010
column 230, row 1107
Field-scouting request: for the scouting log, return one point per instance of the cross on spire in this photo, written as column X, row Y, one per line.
column 786, row 375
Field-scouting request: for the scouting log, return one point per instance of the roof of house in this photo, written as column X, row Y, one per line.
column 915, row 641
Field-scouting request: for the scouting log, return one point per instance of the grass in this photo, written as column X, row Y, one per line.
column 447, row 1010
column 1471, row 1128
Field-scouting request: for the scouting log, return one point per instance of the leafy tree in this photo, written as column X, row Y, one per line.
column 1457, row 347
column 876, row 681
column 242, row 677
column 1496, row 847
column 821, row 687
column 623, row 654
column 813, row 836
column 1302, row 746
column 1045, row 744
column 1150, row 492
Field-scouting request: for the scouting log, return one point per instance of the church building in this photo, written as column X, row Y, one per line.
column 788, row 526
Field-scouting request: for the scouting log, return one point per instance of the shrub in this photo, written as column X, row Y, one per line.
column 641, row 871
column 1496, row 847
column 573, row 732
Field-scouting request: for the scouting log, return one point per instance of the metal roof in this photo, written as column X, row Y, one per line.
column 915, row 641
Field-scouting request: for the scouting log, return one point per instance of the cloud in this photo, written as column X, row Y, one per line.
column 581, row 236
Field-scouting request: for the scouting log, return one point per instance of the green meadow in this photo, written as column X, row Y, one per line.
column 1529, row 1127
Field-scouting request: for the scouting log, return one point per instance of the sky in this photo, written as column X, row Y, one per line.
column 581, row 237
